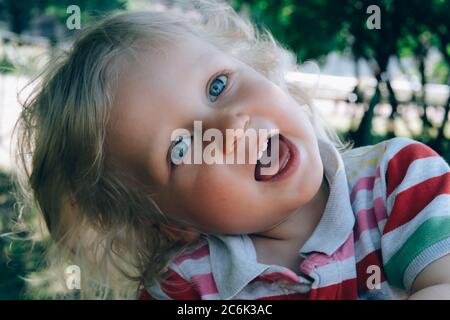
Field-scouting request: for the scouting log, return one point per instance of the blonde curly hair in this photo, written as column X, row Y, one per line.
column 97, row 217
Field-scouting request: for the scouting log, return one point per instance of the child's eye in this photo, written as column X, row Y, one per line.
column 179, row 149
column 217, row 86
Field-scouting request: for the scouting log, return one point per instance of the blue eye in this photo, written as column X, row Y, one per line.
column 179, row 149
column 217, row 86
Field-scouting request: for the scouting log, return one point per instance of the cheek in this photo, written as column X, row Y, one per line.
column 220, row 200
column 300, row 124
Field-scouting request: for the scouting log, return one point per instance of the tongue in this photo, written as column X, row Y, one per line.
column 283, row 153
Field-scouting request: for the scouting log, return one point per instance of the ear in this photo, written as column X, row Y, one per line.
column 185, row 234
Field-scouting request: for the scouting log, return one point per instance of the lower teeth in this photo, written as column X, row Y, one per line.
column 284, row 163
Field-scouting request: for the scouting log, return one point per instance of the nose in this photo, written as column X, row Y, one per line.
column 238, row 122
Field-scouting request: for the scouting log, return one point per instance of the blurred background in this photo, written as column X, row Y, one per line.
column 378, row 77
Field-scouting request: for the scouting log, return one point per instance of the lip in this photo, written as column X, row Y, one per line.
column 291, row 165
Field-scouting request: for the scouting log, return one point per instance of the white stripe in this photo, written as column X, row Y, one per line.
column 380, row 223
column 378, row 189
column 193, row 267
column 393, row 146
column 363, row 199
column 368, row 242
column 419, row 171
column 366, row 163
column 336, row 272
column 394, row 240
column 358, row 172
column 369, row 196
column 369, row 206
column 212, row 296
column 353, row 157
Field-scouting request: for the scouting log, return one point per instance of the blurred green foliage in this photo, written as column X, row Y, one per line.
column 18, row 256
column 19, row 13
column 6, row 65
column 314, row 28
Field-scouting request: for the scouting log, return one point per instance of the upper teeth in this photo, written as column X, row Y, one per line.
column 264, row 148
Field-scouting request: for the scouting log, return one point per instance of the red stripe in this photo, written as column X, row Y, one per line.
column 205, row 283
column 277, row 276
column 348, row 290
column 378, row 173
column 177, row 288
column 345, row 290
column 372, row 259
column 400, row 162
column 365, row 220
column 201, row 252
column 365, row 183
column 144, row 295
column 410, row 202
column 379, row 209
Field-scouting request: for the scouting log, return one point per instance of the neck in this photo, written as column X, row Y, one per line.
column 299, row 225
column 280, row 245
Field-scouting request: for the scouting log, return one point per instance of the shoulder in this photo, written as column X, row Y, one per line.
column 390, row 160
column 363, row 163
column 417, row 200
column 408, row 163
column 384, row 151
column 401, row 152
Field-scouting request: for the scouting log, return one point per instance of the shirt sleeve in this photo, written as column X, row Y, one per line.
column 417, row 229
column 173, row 287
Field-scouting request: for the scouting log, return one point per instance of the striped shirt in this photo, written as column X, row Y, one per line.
column 387, row 217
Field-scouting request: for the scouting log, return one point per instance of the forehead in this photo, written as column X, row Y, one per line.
column 187, row 54
column 182, row 64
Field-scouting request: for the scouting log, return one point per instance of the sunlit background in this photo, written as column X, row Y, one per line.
column 370, row 83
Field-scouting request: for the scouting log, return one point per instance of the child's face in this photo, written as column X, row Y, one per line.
column 165, row 92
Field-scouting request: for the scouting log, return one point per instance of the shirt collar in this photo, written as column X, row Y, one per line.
column 338, row 219
column 233, row 258
column 233, row 263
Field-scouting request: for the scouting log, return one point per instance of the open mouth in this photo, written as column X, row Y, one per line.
column 270, row 167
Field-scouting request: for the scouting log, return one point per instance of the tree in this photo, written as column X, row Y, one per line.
column 19, row 13
column 311, row 28
column 439, row 24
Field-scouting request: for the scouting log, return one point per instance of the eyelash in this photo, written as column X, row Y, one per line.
column 173, row 145
column 225, row 73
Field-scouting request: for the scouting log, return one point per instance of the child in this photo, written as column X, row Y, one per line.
column 120, row 200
